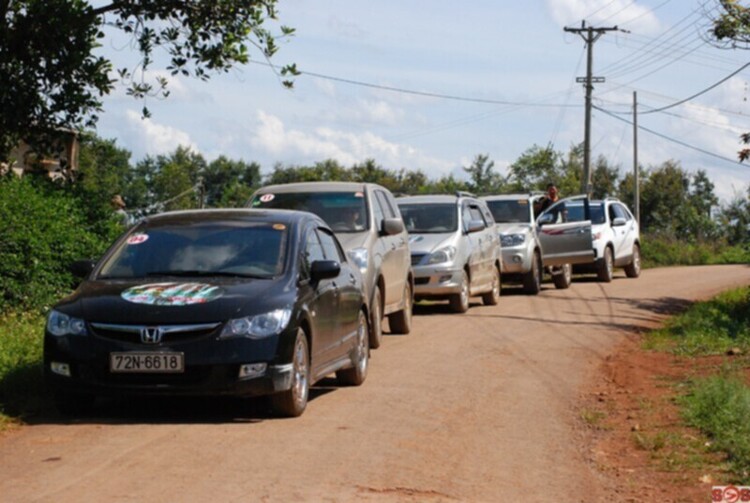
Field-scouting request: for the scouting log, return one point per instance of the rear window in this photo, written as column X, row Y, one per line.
column 342, row 211
column 511, row 211
column 429, row 218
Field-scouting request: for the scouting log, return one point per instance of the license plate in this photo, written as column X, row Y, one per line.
column 147, row 362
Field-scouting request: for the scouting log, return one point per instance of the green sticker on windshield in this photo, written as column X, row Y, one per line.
column 172, row 294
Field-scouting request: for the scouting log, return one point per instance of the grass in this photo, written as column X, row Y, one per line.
column 659, row 251
column 720, row 407
column 21, row 383
column 708, row 328
column 718, row 404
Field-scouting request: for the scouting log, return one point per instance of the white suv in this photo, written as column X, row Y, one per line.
column 615, row 234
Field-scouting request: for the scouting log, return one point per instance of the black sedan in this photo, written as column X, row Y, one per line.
column 211, row 302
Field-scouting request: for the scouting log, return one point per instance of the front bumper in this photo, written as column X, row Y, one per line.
column 211, row 367
column 516, row 260
column 436, row 281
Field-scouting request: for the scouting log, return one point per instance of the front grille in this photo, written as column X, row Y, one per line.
column 168, row 333
column 421, row 281
column 416, row 258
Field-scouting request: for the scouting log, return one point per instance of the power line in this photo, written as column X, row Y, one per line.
column 704, row 91
column 673, row 140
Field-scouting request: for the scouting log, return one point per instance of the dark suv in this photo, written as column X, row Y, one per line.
column 367, row 222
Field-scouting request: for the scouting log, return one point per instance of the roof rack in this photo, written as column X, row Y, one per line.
column 463, row 193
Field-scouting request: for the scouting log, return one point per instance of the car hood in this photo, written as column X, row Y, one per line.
column 175, row 301
column 427, row 243
column 513, row 228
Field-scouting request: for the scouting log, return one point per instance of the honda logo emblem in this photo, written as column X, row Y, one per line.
column 151, row 335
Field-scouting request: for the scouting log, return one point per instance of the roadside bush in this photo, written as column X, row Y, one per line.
column 720, row 406
column 710, row 327
column 21, row 382
column 42, row 231
column 659, row 251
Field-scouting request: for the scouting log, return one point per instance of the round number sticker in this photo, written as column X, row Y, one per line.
column 266, row 198
column 137, row 239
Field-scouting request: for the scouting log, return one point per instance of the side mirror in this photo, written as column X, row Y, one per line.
column 475, row 226
column 619, row 222
column 324, row 269
column 80, row 269
column 392, row 226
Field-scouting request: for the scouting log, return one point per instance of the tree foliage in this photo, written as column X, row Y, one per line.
column 51, row 76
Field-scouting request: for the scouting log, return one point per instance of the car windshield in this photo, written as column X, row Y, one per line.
column 429, row 218
column 342, row 211
column 575, row 212
column 200, row 249
column 510, row 211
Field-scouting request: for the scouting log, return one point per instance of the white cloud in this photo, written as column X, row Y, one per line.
column 146, row 137
column 346, row 147
column 346, row 28
column 605, row 12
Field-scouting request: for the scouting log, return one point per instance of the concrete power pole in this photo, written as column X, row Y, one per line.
column 589, row 35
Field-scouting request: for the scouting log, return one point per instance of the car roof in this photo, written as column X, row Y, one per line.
column 317, row 187
column 289, row 217
column 435, row 198
column 508, row 197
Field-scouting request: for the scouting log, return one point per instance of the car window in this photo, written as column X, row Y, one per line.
column 621, row 212
column 510, row 211
column 430, row 218
column 384, row 204
column 330, row 248
column 200, row 249
column 342, row 211
column 574, row 211
column 379, row 213
column 476, row 214
column 313, row 250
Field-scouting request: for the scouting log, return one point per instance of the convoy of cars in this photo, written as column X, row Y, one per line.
column 270, row 299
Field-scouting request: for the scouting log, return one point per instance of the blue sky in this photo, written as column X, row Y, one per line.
column 509, row 66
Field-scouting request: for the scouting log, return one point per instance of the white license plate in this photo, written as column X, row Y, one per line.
column 147, row 362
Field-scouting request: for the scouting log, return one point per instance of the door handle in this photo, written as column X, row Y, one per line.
column 352, row 279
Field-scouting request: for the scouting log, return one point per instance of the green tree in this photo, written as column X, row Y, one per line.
column 735, row 219
column 664, row 197
column 534, row 169
column 50, row 76
column 229, row 183
column 604, row 178
column 484, row 179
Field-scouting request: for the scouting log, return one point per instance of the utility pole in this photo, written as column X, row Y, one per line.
column 636, row 173
column 589, row 35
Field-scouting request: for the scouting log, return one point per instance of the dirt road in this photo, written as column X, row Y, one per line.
column 476, row 407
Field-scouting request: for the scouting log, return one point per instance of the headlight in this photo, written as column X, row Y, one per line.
column 359, row 256
column 258, row 326
column 59, row 324
column 442, row 255
column 512, row 239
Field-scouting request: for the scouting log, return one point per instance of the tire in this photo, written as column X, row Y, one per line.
column 532, row 280
column 292, row 402
column 564, row 277
column 357, row 374
column 459, row 302
column 605, row 267
column 69, row 403
column 492, row 298
column 400, row 321
column 376, row 320
column 633, row 269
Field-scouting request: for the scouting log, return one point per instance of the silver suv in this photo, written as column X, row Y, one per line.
column 367, row 222
column 455, row 248
column 529, row 248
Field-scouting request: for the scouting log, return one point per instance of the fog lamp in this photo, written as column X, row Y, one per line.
column 62, row 369
column 250, row 370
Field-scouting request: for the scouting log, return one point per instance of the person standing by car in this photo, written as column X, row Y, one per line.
column 550, row 198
